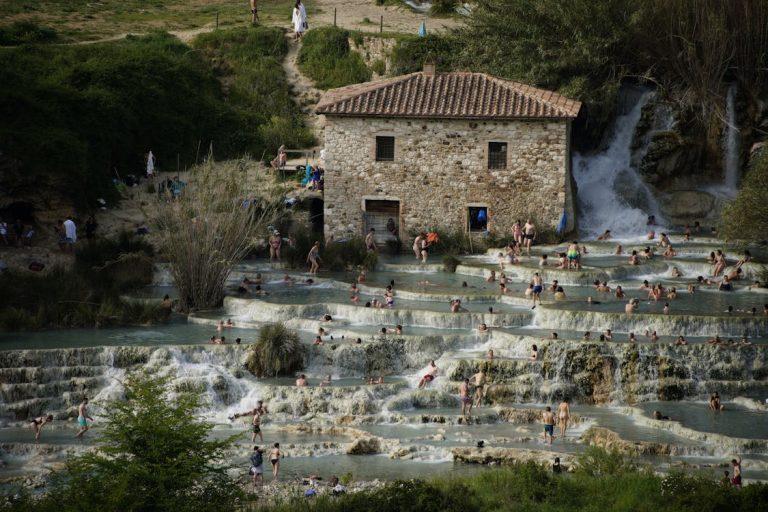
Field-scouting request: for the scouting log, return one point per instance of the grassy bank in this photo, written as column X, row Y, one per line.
column 249, row 62
column 88, row 295
column 75, row 116
column 327, row 59
column 605, row 482
column 77, row 20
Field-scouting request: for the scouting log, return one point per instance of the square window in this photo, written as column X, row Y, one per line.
column 385, row 149
column 497, row 155
column 478, row 218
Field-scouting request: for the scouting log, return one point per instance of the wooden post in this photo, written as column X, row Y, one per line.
column 217, row 20
column 334, row 16
column 381, row 25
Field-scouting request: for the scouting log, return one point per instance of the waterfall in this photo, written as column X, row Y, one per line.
column 611, row 192
column 731, row 143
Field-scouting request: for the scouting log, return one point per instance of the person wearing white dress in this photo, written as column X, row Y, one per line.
column 150, row 165
column 299, row 19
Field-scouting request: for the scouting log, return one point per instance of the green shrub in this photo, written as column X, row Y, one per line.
column 25, row 32
column 443, row 7
column 746, row 217
column 450, row 263
column 325, row 57
column 342, row 255
column 277, row 351
column 151, row 440
column 410, row 52
column 379, row 66
column 596, row 461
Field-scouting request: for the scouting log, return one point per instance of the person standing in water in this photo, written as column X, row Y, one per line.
column 424, row 249
column 256, row 415
column 529, row 230
column 275, row 243
column 548, row 418
column 313, row 258
column 538, row 286
column 563, row 416
column 736, row 480
column 82, row 418
column 466, row 400
column 417, row 245
column 38, row 423
column 257, row 466
column 274, row 459
column 479, row 379
column 370, row 242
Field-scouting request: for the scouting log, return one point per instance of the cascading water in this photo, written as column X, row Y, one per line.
column 731, row 143
column 611, row 193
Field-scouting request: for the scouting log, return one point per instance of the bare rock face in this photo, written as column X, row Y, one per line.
column 505, row 456
column 364, row 446
column 610, row 440
column 687, row 206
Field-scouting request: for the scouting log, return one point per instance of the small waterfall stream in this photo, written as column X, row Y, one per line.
column 731, row 143
column 611, row 192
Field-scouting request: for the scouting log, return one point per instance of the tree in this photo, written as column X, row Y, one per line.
column 277, row 351
column 154, row 456
column 746, row 217
column 210, row 228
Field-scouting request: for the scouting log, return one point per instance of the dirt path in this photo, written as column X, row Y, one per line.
column 304, row 92
column 350, row 14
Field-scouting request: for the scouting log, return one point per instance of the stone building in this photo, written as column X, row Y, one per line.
column 453, row 151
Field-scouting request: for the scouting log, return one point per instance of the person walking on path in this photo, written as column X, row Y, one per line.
column 254, row 11
column 299, row 19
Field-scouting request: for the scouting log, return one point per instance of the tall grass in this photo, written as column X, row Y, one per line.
column 607, row 483
column 326, row 57
column 348, row 254
column 277, row 351
column 249, row 61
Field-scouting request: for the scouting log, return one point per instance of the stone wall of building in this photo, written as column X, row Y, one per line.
column 441, row 168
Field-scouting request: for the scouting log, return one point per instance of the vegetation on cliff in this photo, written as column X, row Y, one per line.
column 325, row 57
column 78, row 116
column 746, row 217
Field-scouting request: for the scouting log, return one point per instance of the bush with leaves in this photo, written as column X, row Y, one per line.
column 746, row 217
column 153, row 454
column 326, row 57
column 277, row 351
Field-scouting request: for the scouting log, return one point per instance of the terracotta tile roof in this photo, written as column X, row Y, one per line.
column 457, row 95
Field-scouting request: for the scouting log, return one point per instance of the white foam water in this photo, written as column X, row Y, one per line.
column 731, row 142
column 611, row 193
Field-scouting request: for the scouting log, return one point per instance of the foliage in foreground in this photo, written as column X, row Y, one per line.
column 325, row 57
column 606, row 482
column 277, row 351
column 155, row 455
column 746, row 217
column 25, row 32
column 88, row 295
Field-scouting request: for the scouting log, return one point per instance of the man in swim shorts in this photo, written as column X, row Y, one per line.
column 538, row 286
column 429, row 376
column 82, row 418
column 548, row 418
column 257, row 465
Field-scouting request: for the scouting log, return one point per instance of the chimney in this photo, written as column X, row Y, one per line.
column 429, row 66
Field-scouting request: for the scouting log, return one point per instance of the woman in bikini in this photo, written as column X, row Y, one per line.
column 313, row 258
column 274, row 458
column 37, row 424
column 517, row 232
column 563, row 415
